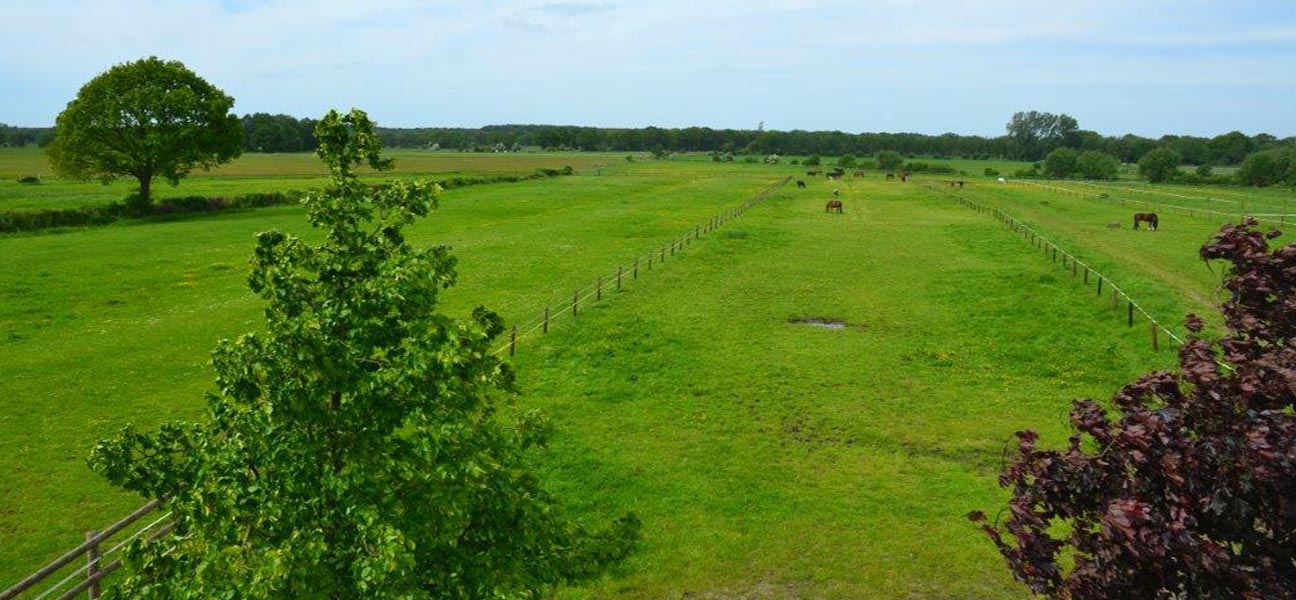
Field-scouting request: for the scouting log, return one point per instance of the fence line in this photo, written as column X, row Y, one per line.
column 98, row 565
column 1039, row 241
column 1190, row 211
column 93, row 570
column 623, row 272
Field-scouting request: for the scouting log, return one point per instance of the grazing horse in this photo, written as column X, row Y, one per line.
column 801, row 183
column 890, row 176
column 834, row 205
column 1149, row 218
column 834, row 175
column 857, row 173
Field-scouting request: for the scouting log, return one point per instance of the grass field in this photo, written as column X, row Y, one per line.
column 256, row 172
column 766, row 458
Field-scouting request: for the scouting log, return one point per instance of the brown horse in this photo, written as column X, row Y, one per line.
column 834, row 205
column 1149, row 218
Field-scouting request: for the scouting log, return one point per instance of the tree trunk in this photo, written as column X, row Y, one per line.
column 145, row 196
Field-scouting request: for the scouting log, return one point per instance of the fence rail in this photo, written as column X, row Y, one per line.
column 1049, row 248
column 617, row 277
column 86, row 579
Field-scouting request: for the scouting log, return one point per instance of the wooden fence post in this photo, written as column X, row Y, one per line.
column 663, row 254
column 598, row 290
column 1130, row 317
column 1100, row 286
column 92, row 564
column 1073, row 267
column 545, row 327
column 635, row 273
column 1115, row 299
column 575, row 301
column 1154, row 336
column 513, row 341
column 620, row 269
column 1086, row 275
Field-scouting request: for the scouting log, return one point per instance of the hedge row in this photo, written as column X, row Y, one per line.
column 88, row 216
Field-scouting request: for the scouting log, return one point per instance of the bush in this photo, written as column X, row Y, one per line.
column 1268, row 167
column 1092, row 164
column 1189, row 490
column 923, row 167
column 889, row 160
column 991, row 172
column 1060, row 163
column 29, row 179
column 749, row 159
column 813, row 161
column 1159, row 165
column 846, row 161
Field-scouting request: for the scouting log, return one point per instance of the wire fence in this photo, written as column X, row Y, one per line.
column 620, row 276
column 86, row 578
column 1077, row 267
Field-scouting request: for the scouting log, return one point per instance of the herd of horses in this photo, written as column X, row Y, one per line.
column 835, row 205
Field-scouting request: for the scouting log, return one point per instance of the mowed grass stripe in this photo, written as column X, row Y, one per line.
column 768, row 457
column 112, row 325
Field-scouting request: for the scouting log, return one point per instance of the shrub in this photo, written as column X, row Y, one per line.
column 889, row 160
column 29, row 179
column 846, row 161
column 812, row 161
column 1159, row 165
column 989, row 172
column 1060, row 163
column 1189, row 490
column 1092, row 164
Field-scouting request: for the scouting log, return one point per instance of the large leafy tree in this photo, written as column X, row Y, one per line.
column 356, row 447
column 145, row 119
column 1035, row 133
column 1188, row 491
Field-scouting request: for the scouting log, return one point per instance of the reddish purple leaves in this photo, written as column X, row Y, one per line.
column 1189, row 489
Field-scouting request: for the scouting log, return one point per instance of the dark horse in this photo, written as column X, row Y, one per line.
column 800, row 184
column 1149, row 218
column 833, row 205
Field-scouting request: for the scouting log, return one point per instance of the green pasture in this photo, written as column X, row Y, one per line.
column 767, row 458
column 258, row 172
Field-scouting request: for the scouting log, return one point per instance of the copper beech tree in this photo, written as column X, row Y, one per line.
column 1186, row 487
column 355, row 446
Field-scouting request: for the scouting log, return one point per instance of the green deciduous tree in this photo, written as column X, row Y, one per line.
column 145, row 119
column 1267, row 167
column 1092, row 164
column 355, row 447
column 889, row 160
column 1034, row 133
column 1159, row 165
column 846, row 161
column 1060, row 163
column 812, row 161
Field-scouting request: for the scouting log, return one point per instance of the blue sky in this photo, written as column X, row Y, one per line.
column 1129, row 66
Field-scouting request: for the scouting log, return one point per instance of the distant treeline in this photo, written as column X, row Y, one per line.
column 282, row 133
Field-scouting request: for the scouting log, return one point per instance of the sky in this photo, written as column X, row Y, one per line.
column 1148, row 67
